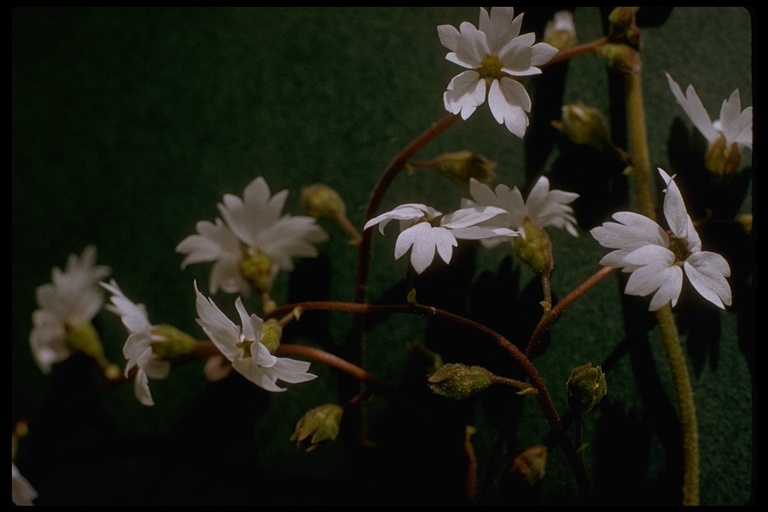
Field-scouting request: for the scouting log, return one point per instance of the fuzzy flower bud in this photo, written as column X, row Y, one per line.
column 171, row 342
column 534, row 249
column 586, row 387
column 457, row 381
column 623, row 26
column 583, row 125
column 321, row 423
column 621, row 58
column 271, row 334
column 322, row 202
column 460, row 166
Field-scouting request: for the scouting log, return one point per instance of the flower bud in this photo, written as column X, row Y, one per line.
column 321, row 423
column 322, row 202
column 745, row 220
column 530, row 464
column 271, row 333
column 460, row 166
column 560, row 31
column 256, row 268
column 534, row 249
column 457, row 381
column 169, row 342
column 623, row 26
column 583, row 125
column 586, row 387
column 621, row 58
column 83, row 337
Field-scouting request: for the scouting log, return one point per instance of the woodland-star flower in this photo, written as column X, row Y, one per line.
column 419, row 235
column 656, row 260
column 544, row 207
column 22, row 492
column 242, row 345
column 66, row 306
column 726, row 136
column 493, row 55
column 253, row 242
column 735, row 125
column 138, row 347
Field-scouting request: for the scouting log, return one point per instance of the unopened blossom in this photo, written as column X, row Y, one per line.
column 254, row 241
column 22, row 492
column 494, row 55
column 725, row 136
column 67, row 305
column 144, row 343
column 543, row 208
column 423, row 239
column 244, row 346
column 657, row 260
column 560, row 31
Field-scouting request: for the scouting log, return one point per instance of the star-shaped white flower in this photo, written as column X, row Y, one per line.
column 22, row 492
column 735, row 125
column 138, row 347
column 242, row 346
column 493, row 55
column 656, row 260
column 543, row 208
column 73, row 298
column 255, row 221
column 424, row 239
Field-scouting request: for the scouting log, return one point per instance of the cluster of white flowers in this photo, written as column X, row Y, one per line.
column 69, row 301
column 253, row 225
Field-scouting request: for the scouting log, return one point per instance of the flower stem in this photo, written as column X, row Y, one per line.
column 569, row 53
column 641, row 173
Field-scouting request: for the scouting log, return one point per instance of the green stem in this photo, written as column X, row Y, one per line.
column 641, row 173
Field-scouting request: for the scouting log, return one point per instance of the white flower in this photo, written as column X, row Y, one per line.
column 138, row 347
column 493, row 55
column 242, row 346
column 22, row 492
column 735, row 125
column 72, row 299
column 256, row 221
column 543, row 208
column 656, row 260
column 424, row 239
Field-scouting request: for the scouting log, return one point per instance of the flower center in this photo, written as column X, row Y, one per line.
column 245, row 349
column 491, row 68
column 679, row 247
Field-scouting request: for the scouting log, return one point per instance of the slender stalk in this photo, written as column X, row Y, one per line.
column 641, row 173
column 569, row 53
column 553, row 313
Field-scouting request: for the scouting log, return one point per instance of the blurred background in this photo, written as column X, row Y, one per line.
column 130, row 124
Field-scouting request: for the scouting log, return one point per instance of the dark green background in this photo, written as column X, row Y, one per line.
column 129, row 125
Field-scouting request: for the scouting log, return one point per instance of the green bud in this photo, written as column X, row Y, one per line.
column 586, row 387
column 174, row 342
column 321, row 423
column 460, row 166
column 83, row 337
column 583, row 125
column 534, row 249
column 322, row 202
column 457, row 381
column 621, row 58
column 623, row 26
column 256, row 268
column 271, row 333
column 722, row 161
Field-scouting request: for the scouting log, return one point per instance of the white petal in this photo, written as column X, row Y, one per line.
column 141, row 388
column 449, row 36
column 470, row 216
column 707, row 272
column 508, row 101
column 694, row 109
column 220, row 329
column 464, row 94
